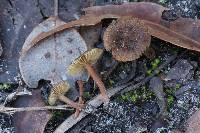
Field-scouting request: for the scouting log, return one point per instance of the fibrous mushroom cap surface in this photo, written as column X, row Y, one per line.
column 89, row 57
column 58, row 89
column 126, row 38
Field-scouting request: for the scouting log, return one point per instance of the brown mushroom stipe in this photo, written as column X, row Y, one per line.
column 127, row 38
column 85, row 61
column 58, row 92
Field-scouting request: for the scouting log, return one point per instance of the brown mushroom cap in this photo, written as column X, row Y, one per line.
column 126, row 38
column 58, row 89
column 89, row 57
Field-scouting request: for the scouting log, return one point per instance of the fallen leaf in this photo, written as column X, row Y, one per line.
column 32, row 121
column 49, row 24
column 49, row 58
column 188, row 27
column 91, row 34
column 83, row 21
column 172, row 36
column 143, row 10
column 17, row 20
column 151, row 12
column 193, row 123
column 152, row 29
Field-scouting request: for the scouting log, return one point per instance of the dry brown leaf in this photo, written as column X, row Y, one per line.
column 188, row 27
column 171, row 36
column 143, row 10
column 32, row 121
column 151, row 12
column 84, row 21
column 193, row 123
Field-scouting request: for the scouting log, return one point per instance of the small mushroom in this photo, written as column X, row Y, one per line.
column 127, row 38
column 57, row 93
column 85, row 61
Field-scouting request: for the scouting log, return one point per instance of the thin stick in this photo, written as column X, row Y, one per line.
column 11, row 110
column 90, row 106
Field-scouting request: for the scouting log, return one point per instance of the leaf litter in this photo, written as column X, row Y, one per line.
column 32, row 45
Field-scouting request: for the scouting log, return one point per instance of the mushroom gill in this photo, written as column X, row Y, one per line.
column 126, row 38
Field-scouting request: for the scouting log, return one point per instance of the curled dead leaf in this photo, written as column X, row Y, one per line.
column 32, row 121
column 151, row 13
column 120, row 45
column 143, row 10
column 172, row 36
column 49, row 59
column 84, row 21
column 193, row 123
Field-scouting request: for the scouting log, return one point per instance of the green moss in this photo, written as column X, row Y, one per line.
column 162, row 1
column 5, row 86
column 140, row 95
column 170, row 94
column 86, row 95
column 149, row 72
column 154, row 64
column 170, row 100
column 178, row 86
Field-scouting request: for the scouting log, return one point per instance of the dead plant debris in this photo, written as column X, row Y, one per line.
column 154, row 94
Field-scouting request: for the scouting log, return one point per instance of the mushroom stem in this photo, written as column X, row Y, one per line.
column 98, row 81
column 80, row 85
column 69, row 102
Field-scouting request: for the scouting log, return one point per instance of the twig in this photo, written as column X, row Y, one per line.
column 90, row 107
column 19, row 92
column 11, row 110
column 96, row 101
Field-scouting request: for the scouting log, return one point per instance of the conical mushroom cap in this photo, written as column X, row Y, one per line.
column 126, row 38
column 89, row 57
column 58, row 89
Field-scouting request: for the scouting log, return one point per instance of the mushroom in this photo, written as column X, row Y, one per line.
column 127, row 38
column 85, row 61
column 50, row 57
column 57, row 93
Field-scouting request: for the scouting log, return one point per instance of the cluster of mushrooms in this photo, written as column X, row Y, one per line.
column 126, row 38
column 85, row 61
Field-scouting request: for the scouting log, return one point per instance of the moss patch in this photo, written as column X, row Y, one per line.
column 137, row 96
column 5, row 86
